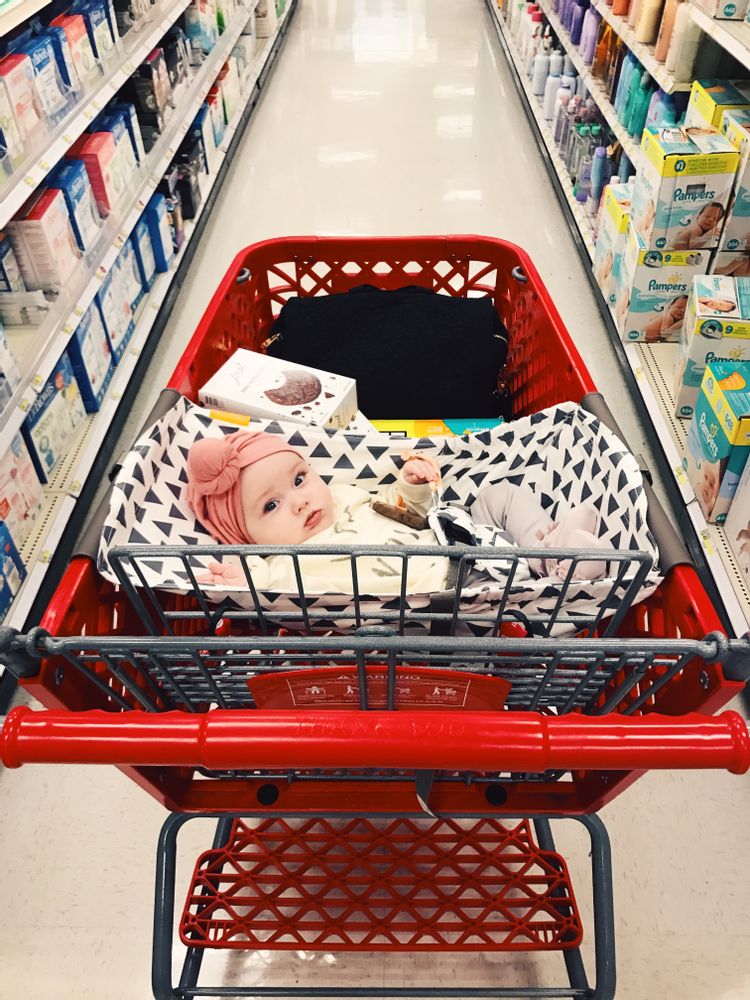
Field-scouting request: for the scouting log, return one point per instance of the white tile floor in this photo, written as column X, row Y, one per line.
column 383, row 117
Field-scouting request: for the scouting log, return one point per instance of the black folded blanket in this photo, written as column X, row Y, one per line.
column 414, row 353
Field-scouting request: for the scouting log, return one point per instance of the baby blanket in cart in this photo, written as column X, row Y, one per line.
column 564, row 455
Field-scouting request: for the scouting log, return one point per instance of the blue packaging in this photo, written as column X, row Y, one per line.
column 202, row 132
column 12, row 569
column 130, row 276
column 11, row 279
column 91, row 358
column 52, row 419
column 131, row 120
column 53, row 95
column 94, row 13
column 71, row 177
column 144, row 253
column 158, row 227
column 64, row 57
column 116, row 123
column 116, row 313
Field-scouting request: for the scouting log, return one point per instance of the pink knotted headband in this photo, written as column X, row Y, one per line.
column 214, row 466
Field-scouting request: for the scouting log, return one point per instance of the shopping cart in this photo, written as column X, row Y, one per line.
column 368, row 785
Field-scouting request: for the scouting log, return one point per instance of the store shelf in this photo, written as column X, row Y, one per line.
column 16, row 13
column 733, row 36
column 583, row 221
column 644, row 53
column 593, row 85
column 48, row 150
column 62, row 492
column 38, row 349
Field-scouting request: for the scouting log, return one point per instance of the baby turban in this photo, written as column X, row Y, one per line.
column 214, row 466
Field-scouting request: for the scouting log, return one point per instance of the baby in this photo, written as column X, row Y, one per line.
column 702, row 230
column 254, row 488
column 668, row 325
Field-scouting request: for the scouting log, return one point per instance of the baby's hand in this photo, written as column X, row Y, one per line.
column 224, row 575
column 419, row 469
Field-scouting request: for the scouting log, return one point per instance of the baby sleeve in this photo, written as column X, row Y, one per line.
column 418, row 497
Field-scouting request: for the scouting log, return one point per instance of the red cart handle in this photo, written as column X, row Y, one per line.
column 473, row 741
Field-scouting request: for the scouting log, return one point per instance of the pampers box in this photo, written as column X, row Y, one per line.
column 652, row 290
column 683, row 187
column 735, row 125
column 52, row 419
column 260, row 386
column 716, row 328
column 612, row 239
column 709, row 99
column 719, row 436
column 735, row 263
column 91, row 358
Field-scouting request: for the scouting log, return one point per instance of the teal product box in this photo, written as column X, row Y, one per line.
column 71, row 177
column 11, row 279
column 144, row 253
column 98, row 26
column 53, row 95
column 719, row 436
column 64, row 57
column 91, row 358
column 12, row 569
column 130, row 275
column 131, row 120
column 735, row 125
column 116, row 313
column 52, row 419
column 161, row 235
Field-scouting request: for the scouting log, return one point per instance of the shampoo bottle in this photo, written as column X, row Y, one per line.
column 560, row 115
column 550, row 89
column 684, row 45
column 665, row 31
column 647, row 28
column 540, row 73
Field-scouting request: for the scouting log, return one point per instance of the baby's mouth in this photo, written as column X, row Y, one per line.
column 313, row 519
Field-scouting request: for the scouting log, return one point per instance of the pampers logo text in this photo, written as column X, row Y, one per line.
column 709, row 433
column 680, row 195
column 666, row 286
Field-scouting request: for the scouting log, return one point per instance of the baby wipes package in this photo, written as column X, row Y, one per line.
column 735, row 125
column 716, row 328
column 719, row 436
column 612, row 239
column 52, row 419
column 261, row 386
column 91, row 358
column 652, row 288
column 709, row 99
column 20, row 490
column 683, row 187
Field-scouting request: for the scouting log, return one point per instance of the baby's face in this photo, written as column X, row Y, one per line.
column 719, row 305
column 284, row 501
column 676, row 312
column 709, row 217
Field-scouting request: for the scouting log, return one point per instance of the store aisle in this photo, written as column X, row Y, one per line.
column 383, row 117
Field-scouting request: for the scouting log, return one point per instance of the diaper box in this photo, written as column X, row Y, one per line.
column 79, row 44
column 652, row 288
column 716, row 328
column 611, row 239
column 43, row 241
column 683, row 187
column 157, row 220
column 719, row 436
column 17, row 82
column 91, row 358
column 52, row 419
column 116, row 312
column 20, row 490
column 735, row 263
column 261, row 386
column 71, row 177
column 735, row 125
column 709, row 99
column 144, row 253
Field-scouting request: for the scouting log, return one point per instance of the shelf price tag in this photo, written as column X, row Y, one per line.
column 68, row 139
column 101, row 273
column 680, row 474
column 24, row 405
column 45, row 555
column 706, row 542
column 75, row 486
column 30, row 180
column 45, row 165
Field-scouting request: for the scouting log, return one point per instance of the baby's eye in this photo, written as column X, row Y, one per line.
column 271, row 505
column 299, row 478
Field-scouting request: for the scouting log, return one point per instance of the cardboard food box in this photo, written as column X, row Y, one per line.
column 261, row 386
column 719, row 436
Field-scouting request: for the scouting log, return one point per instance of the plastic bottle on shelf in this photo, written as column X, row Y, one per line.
column 552, row 85
column 583, row 183
column 620, row 7
column 580, row 148
column 576, row 20
column 560, row 116
column 585, row 29
column 595, row 136
column 540, row 73
column 568, row 67
column 683, row 48
column 655, row 107
column 633, row 87
column 626, row 169
column 563, row 91
column 588, row 50
column 649, row 19
column 581, row 87
column 634, row 12
column 665, row 29
column 623, row 84
column 533, row 39
column 614, row 68
column 571, row 79
column 603, row 51
column 598, row 176
column 568, row 121
column 642, row 100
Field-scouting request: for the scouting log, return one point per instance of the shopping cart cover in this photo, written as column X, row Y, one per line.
column 564, row 455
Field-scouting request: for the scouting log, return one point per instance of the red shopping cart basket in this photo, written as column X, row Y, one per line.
column 543, row 368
